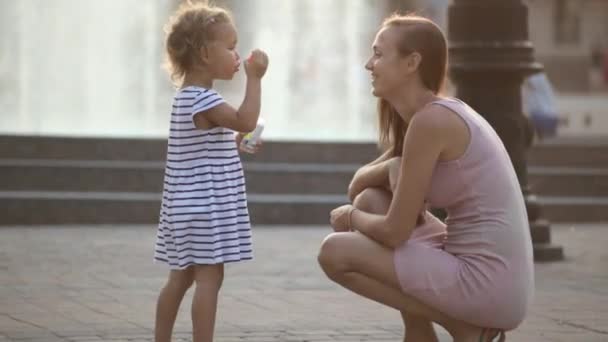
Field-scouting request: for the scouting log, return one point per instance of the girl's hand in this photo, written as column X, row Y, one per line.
column 256, row 64
column 340, row 218
column 238, row 136
column 255, row 149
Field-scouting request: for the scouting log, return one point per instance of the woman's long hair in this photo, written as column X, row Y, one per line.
column 419, row 35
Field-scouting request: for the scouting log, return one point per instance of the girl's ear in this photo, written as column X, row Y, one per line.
column 204, row 54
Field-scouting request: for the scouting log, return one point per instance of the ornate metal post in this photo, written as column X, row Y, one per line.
column 490, row 57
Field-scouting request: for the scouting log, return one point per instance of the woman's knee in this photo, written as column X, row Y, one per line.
column 332, row 257
column 373, row 200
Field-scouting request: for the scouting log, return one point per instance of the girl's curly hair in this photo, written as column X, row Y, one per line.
column 189, row 29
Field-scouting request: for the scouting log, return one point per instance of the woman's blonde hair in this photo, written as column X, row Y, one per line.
column 420, row 35
column 189, row 29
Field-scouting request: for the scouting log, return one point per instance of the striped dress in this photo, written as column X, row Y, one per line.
column 203, row 217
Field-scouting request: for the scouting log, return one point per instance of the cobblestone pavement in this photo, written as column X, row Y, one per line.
column 98, row 283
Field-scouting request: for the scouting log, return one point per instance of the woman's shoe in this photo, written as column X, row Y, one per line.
column 494, row 335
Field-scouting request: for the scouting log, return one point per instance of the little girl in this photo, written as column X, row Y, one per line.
column 204, row 220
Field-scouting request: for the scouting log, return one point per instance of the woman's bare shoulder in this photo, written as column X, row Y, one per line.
column 432, row 117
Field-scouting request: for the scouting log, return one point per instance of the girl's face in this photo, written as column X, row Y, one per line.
column 389, row 69
column 220, row 54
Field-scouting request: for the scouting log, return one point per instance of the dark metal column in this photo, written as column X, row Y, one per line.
column 490, row 57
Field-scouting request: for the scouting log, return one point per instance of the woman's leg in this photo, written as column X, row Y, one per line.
column 366, row 268
column 204, row 303
column 169, row 301
column 418, row 328
column 377, row 201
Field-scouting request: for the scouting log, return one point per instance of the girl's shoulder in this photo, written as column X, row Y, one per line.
column 198, row 98
column 196, row 90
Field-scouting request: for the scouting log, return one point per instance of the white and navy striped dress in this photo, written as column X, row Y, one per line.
column 204, row 217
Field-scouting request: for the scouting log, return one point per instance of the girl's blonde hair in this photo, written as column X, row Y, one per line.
column 420, row 35
column 188, row 30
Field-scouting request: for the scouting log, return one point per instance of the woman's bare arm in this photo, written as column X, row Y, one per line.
column 372, row 174
column 424, row 143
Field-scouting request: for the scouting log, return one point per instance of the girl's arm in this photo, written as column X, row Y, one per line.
column 242, row 120
column 246, row 117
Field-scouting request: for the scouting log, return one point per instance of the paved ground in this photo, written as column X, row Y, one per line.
column 99, row 284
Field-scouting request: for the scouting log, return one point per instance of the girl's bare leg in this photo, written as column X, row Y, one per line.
column 169, row 301
column 208, row 280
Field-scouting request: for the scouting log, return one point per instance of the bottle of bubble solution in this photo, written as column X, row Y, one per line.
column 252, row 138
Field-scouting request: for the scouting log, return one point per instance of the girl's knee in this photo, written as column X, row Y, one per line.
column 209, row 275
column 181, row 280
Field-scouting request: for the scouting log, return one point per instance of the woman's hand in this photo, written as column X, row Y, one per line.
column 356, row 186
column 394, row 167
column 374, row 174
column 340, row 218
column 368, row 176
column 385, row 175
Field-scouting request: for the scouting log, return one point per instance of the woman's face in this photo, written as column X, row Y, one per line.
column 389, row 69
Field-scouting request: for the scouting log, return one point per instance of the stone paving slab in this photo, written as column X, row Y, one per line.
column 98, row 283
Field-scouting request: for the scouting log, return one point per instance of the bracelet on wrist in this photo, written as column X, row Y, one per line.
column 350, row 219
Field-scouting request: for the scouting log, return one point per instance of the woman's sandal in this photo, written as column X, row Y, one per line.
column 494, row 335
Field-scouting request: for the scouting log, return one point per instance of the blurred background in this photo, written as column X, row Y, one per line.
column 94, row 68
column 84, row 117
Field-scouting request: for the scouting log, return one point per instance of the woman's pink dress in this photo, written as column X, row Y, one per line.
column 478, row 267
